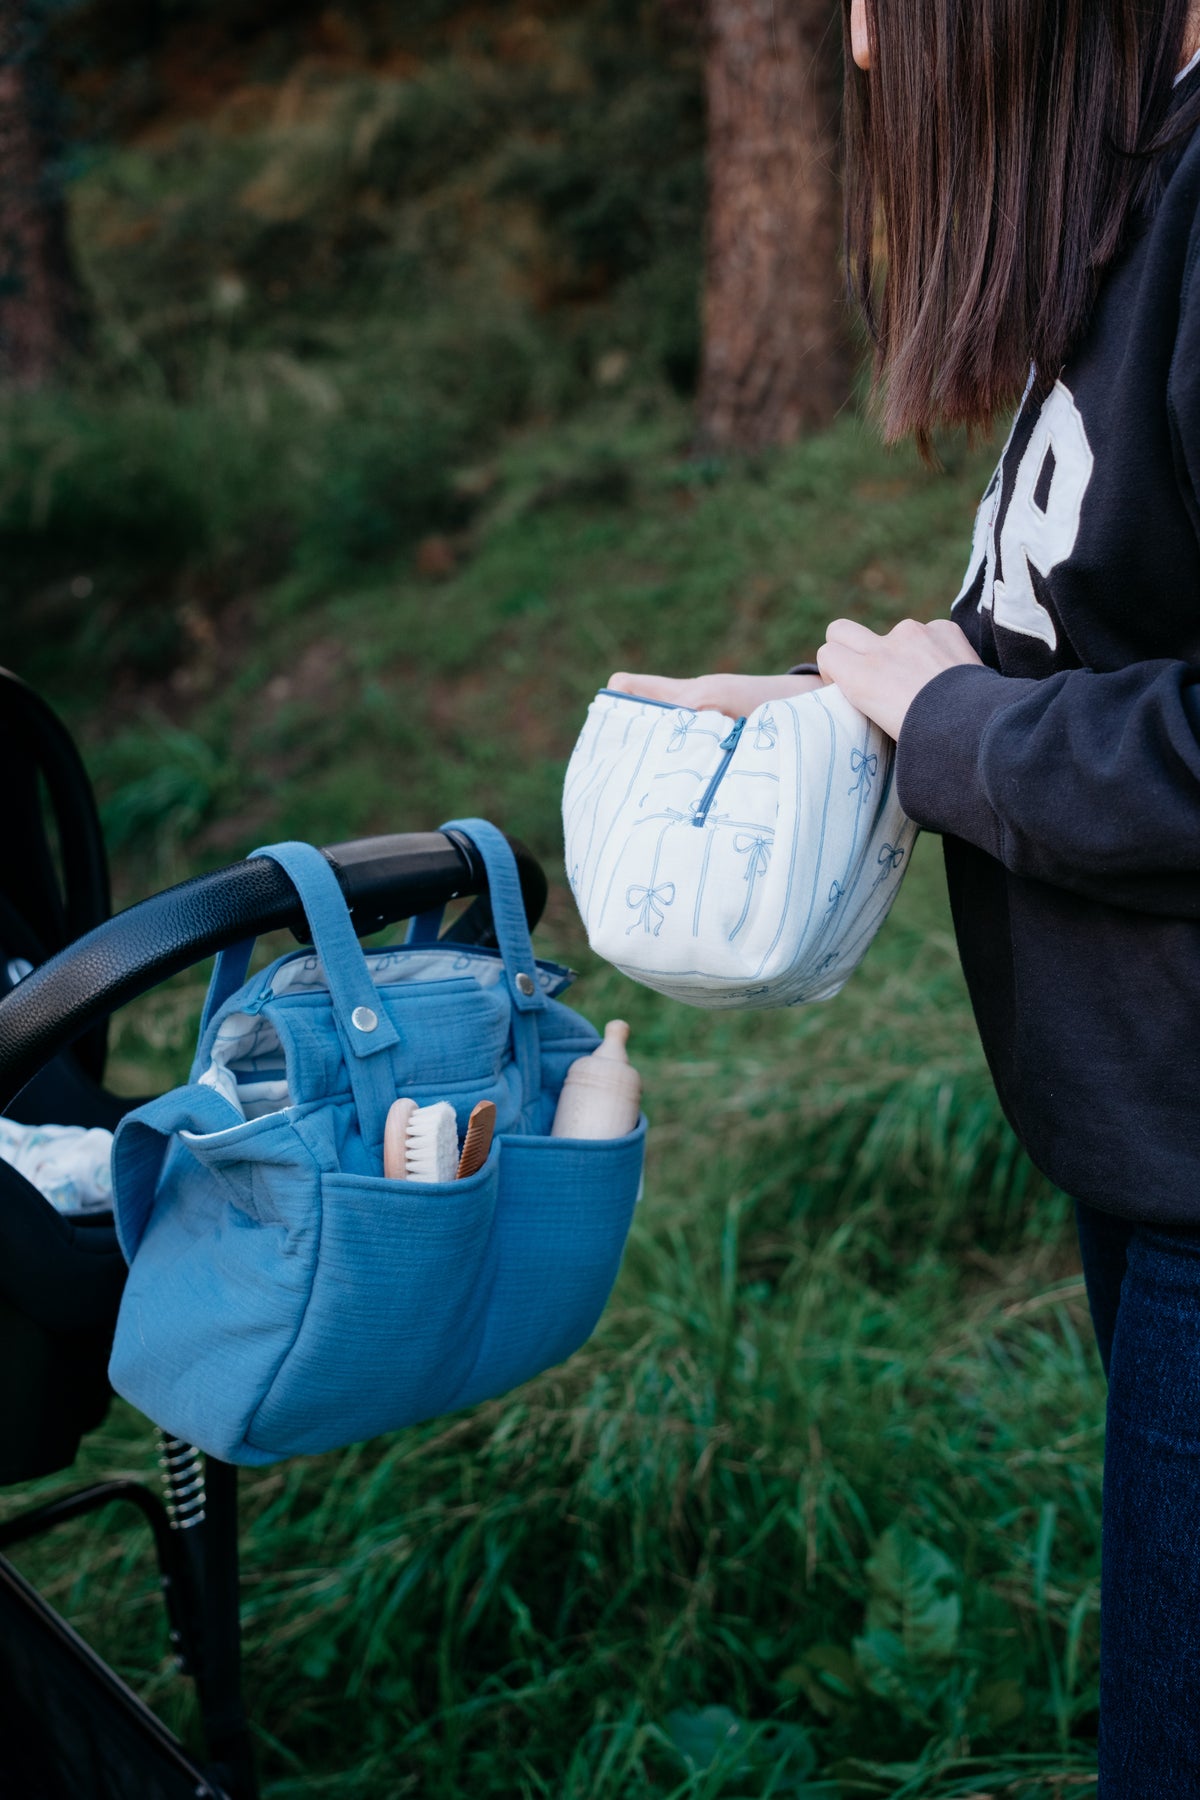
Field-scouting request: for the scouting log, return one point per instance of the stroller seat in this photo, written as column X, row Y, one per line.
column 70, row 1729
column 60, row 1280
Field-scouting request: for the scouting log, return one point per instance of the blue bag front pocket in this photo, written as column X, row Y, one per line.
column 397, row 1311
column 427, row 1297
column 561, row 1222
column 301, row 1307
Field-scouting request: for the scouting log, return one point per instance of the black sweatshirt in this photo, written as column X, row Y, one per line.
column 1065, row 775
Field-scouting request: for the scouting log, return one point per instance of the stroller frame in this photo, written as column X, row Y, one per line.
column 83, row 964
column 197, row 1561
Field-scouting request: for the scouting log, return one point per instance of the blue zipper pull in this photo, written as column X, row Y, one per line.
column 728, row 745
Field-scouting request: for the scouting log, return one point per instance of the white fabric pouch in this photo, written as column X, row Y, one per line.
column 734, row 862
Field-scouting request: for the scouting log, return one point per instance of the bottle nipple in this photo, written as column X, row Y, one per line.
column 602, row 1092
column 611, row 1047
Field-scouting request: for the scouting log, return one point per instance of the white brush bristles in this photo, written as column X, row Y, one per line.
column 395, row 1139
column 431, row 1144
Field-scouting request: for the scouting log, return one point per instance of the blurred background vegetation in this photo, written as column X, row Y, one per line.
column 377, row 432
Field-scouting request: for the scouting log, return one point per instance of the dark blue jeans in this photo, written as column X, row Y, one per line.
column 1144, row 1292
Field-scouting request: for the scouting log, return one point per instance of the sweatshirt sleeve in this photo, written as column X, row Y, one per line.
column 1183, row 385
column 1090, row 782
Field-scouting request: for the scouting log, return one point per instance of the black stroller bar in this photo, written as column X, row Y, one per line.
column 384, row 879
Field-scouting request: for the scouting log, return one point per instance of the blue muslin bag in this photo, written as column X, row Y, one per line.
column 283, row 1297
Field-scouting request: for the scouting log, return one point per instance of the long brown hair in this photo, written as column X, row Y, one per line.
column 994, row 155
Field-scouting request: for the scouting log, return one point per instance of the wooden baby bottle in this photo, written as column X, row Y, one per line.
column 602, row 1093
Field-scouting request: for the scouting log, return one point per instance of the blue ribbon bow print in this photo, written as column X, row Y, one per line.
column 889, row 858
column 757, row 851
column 766, row 733
column 865, row 765
column 650, row 904
column 683, row 724
column 756, row 848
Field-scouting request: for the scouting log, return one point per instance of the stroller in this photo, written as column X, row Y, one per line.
column 70, row 1728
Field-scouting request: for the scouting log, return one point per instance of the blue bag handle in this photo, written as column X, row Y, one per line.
column 512, row 937
column 362, row 1024
column 508, row 913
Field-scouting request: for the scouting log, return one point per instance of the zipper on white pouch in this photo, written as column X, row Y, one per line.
column 729, row 744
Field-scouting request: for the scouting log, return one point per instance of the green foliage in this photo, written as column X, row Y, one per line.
column 914, row 1615
column 163, row 785
column 103, row 507
column 621, row 184
column 419, row 132
column 379, row 482
column 736, row 1757
column 314, row 309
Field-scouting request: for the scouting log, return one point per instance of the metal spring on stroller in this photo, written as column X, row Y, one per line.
column 183, row 1479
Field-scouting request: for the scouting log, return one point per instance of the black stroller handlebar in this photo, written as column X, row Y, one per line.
column 383, row 878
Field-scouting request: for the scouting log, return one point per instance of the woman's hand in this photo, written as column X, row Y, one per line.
column 882, row 676
column 734, row 695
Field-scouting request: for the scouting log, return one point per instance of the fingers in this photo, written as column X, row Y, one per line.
column 653, row 687
column 694, row 693
column 862, row 662
column 835, row 660
column 736, row 696
column 850, row 633
column 945, row 633
column 848, row 647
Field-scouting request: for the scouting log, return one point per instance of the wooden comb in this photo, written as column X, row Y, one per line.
column 478, row 1141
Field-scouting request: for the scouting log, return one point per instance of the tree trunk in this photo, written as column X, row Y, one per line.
column 776, row 347
column 41, row 314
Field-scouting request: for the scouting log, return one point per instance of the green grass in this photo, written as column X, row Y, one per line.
column 816, row 1513
column 806, row 1472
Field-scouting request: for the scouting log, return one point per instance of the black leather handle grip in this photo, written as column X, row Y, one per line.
column 383, row 879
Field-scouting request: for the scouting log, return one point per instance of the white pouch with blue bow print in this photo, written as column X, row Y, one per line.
column 734, row 862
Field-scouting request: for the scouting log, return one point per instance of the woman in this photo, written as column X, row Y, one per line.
column 1034, row 168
